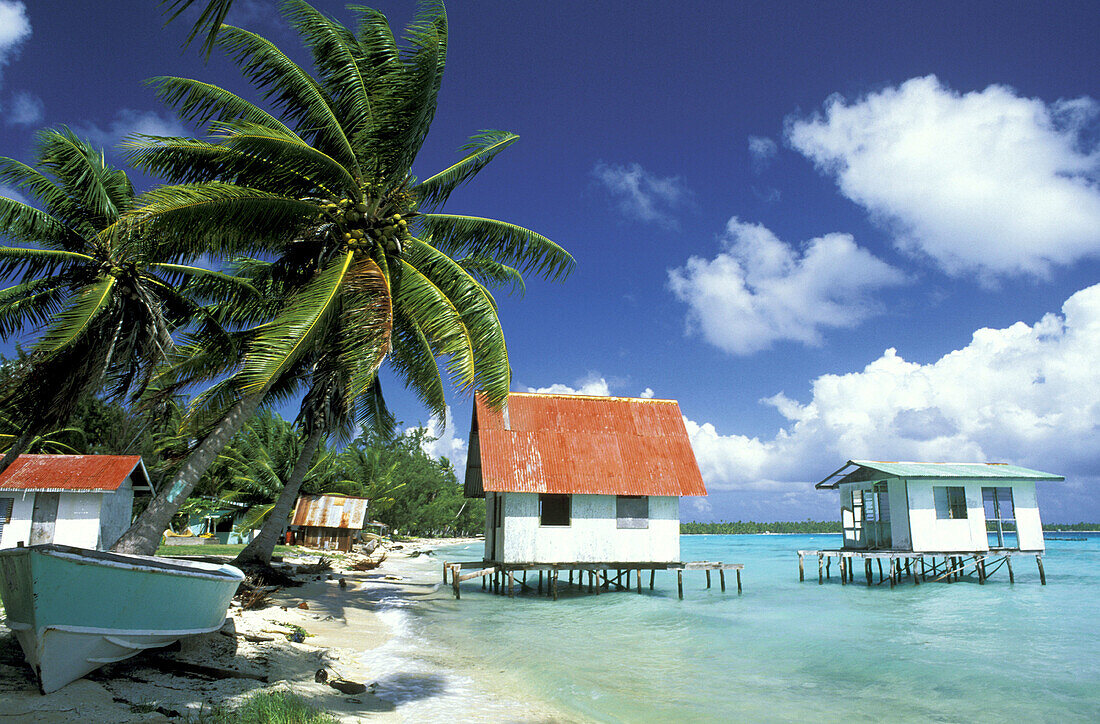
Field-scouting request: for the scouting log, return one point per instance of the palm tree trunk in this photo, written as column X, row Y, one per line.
column 143, row 537
column 17, row 448
column 259, row 551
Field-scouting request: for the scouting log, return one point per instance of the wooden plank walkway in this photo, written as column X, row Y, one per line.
column 501, row 577
column 933, row 565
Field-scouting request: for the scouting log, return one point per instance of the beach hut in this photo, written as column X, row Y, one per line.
column 78, row 500
column 571, row 479
column 934, row 507
column 329, row 522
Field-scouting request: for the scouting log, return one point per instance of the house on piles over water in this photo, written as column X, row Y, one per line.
column 575, row 479
column 934, row 507
column 329, row 522
column 85, row 501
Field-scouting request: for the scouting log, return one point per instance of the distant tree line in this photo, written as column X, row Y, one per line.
column 822, row 526
column 748, row 526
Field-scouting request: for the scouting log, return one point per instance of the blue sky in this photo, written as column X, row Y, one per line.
column 831, row 231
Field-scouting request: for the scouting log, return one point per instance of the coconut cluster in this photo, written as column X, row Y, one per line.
column 361, row 230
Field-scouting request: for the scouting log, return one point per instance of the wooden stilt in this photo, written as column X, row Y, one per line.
column 867, row 570
column 599, row 583
column 801, row 568
column 893, row 565
column 738, row 581
column 1008, row 562
column 540, row 581
column 639, row 576
column 916, row 576
column 708, row 577
column 828, row 566
column 483, row 582
column 554, row 583
column 454, row 581
column 652, row 572
column 979, row 565
column 1042, row 573
column 843, row 571
column 880, row 578
column 680, row 581
column 445, row 574
column 570, row 576
column 511, row 585
column 722, row 578
column 820, row 573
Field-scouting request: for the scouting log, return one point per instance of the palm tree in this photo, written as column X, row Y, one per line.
column 106, row 295
column 366, row 261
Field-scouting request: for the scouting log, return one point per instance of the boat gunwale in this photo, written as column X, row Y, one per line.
column 148, row 564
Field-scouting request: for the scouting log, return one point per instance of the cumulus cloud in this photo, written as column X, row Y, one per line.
column 640, row 195
column 762, row 150
column 128, row 121
column 26, row 110
column 592, row 384
column 13, row 194
column 760, row 290
column 441, row 442
column 1026, row 394
column 986, row 182
column 15, row 28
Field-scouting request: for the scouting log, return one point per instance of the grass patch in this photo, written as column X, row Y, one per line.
column 217, row 549
column 271, row 707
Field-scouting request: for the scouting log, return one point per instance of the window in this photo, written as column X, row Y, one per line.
column 631, row 511
column 1000, row 513
column 5, row 513
column 950, row 501
column 553, row 509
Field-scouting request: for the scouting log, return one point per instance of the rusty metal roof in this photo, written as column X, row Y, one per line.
column 330, row 511
column 52, row 473
column 952, row 471
column 583, row 445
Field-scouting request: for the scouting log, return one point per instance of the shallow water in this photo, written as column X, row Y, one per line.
column 783, row 650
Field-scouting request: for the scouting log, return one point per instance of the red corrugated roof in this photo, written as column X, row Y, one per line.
column 331, row 511
column 583, row 445
column 71, row 472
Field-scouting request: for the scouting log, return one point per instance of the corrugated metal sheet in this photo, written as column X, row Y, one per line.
column 72, row 472
column 582, row 445
column 330, row 511
column 992, row 471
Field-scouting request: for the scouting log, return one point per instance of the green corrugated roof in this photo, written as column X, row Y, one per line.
column 994, row 471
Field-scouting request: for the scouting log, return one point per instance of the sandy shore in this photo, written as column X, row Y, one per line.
column 342, row 623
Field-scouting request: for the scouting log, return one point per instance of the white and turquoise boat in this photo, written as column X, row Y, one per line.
column 74, row 610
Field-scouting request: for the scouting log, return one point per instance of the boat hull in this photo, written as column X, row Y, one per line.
column 74, row 610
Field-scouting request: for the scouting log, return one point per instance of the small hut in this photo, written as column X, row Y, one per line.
column 577, row 479
column 935, row 507
column 329, row 522
column 85, row 501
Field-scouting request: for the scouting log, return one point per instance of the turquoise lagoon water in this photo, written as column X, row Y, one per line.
column 783, row 650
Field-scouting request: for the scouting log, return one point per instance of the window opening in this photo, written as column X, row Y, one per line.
column 950, row 502
column 1000, row 512
column 554, row 509
column 631, row 511
column 5, row 513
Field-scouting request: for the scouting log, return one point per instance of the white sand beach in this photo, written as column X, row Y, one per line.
column 354, row 633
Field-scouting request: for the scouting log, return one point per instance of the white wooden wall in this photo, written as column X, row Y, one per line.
column 592, row 535
column 969, row 534
column 19, row 529
column 85, row 520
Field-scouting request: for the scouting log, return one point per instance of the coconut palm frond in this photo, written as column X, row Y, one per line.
column 480, row 150
column 506, row 243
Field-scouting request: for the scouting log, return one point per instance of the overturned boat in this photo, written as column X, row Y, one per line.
column 74, row 610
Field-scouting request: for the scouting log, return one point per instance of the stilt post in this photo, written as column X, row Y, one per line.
column 722, row 578
column 652, row 573
column 801, row 568
column 1008, row 562
column 820, row 573
column 1042, row 573
column 680, row 580
column 738, row 581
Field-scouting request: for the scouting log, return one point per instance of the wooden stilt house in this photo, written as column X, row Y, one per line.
column 577, row 479
column 926, row 507
column 328, row 522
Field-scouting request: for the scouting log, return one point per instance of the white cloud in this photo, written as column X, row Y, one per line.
column 26, row 110
column 759, row 290
column 647, row 394
column 762, row 150
column 15, row 27
column 592, row 384
column 1026, row 394
column 128, row 121
column 641, row 195
column 986, row 182
column 13, row 194
column 441, row 442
